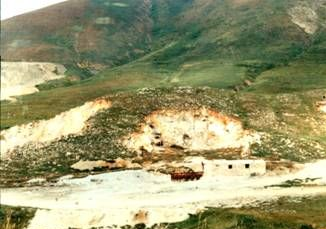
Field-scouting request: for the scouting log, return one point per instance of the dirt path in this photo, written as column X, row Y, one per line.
column 116, row 198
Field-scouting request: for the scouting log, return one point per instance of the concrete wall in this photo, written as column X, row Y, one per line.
column 235, row 167
column 226, row 167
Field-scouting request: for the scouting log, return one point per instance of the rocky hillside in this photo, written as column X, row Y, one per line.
column 153, row 125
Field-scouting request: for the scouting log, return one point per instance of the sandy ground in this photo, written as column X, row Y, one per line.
column 20, row 78
column 115, row 198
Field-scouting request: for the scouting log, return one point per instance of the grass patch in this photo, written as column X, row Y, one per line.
column 285, row 213
column 210, row 73
column 47, row 103
column 15, row 217
column 295, row 183
column 295, row 77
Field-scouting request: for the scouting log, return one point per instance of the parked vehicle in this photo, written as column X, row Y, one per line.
column 188, row 175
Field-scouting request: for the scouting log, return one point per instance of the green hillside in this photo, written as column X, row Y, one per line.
column 243, row 45
column 260, row 62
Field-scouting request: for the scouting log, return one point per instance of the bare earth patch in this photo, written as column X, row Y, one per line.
column 191, row 130
column 20, row 78
column 118, row 163
column 69, row 122
column 136, row 196
column 321, row 106
column 305, row 17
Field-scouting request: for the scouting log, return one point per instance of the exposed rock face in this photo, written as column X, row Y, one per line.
column 70, row 122
column 20, row 78
column 322, row 106
column 88, row 165
column 36, row 181
column 193, row 130
column 305, row 17
column 118, row 163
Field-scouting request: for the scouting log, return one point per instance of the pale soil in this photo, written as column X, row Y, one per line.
column 304, row 17
column 128, row 197
column 322, row 106
column 118, row 163
column 243, row 2
column 69, row 122
column 194, row 130
column 20, row 78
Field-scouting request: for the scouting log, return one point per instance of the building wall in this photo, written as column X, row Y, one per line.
column 235, row 167
column 221, row 167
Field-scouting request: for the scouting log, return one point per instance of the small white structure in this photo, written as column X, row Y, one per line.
column 236, row 167
column 227, row 167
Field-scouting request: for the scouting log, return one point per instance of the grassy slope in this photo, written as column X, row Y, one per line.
column 300, row 138
column 307, row 213
column 295, row 77
column 198, row 43
column 83, row 35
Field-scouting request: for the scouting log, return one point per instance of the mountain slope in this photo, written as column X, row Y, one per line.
column 258, row 46
column 84, row 33
column 171, row 80
column 113, row 33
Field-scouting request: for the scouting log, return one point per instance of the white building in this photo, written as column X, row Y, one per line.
column 235, row 167
column 227, row 167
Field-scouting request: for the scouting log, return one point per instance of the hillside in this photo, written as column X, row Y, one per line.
column 253, row 45
column 84, row 33
column 258, row 123
column 169, row 113
column 99, row 31
column 95, row 34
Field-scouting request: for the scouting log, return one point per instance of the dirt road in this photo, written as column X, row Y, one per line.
column 116, row 198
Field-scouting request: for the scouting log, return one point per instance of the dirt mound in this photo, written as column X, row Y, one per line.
column 141, row 217
column 191, row 130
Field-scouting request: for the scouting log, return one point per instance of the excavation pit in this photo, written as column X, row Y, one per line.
column 190, row 130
